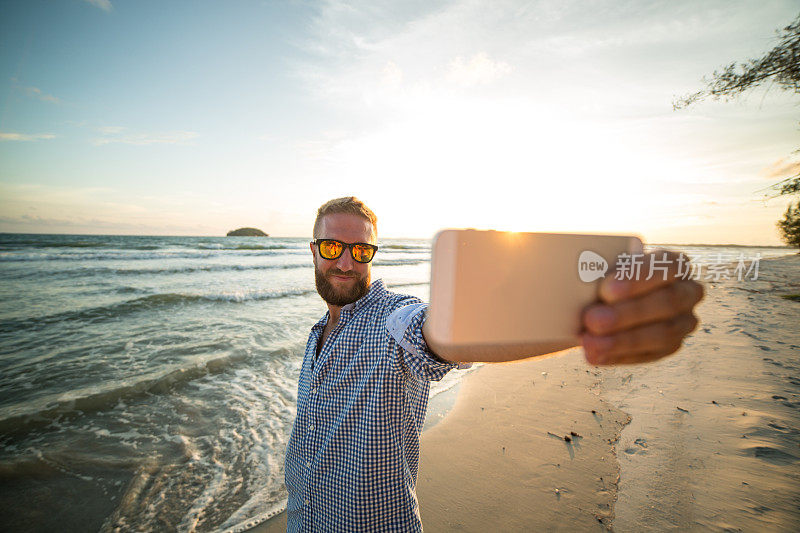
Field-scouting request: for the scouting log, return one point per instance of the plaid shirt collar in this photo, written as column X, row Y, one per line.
column 375, row 292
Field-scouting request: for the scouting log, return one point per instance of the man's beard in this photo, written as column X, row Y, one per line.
column 333, row 296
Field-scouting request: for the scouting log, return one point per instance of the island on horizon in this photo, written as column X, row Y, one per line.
column 247, row 232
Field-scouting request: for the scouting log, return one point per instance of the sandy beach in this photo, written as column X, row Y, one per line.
column 704, row 440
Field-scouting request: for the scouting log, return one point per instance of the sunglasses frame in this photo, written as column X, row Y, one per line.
column 347, row 245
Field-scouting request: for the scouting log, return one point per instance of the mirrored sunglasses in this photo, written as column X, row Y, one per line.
column 361, row 252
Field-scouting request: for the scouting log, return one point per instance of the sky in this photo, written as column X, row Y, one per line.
column 195, row 118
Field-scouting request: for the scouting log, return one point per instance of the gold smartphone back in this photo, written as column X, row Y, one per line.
column 496, row 294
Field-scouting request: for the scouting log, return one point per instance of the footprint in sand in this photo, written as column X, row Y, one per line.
column 639, row 447
column 785, row 401
column 772, row 455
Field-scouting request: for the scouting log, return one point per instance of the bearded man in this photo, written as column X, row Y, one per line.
column 352, row 458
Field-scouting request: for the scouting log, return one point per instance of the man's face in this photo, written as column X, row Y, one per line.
column 342, row 280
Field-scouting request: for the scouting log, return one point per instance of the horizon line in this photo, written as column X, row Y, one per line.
column 719, row 245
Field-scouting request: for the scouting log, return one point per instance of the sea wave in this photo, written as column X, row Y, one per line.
column 36, row 465
column 414, row 247
column 121, row 255
column 398, row 262
column 28, row 416
column 76, row 244
column 101, row 271
column 26, row 273
column 250, row 247
column 30, row 246
column 152, row 301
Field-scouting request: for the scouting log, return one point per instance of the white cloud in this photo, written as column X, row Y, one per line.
column 11, row 136
column 782, row 168
column 35, row 92
column 481, row 69
column 143, row 139
column 111, row 130
column 105, row 5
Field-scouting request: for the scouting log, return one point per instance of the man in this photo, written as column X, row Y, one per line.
column 351, row 462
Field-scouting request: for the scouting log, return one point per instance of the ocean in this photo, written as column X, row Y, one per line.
column 149, row 383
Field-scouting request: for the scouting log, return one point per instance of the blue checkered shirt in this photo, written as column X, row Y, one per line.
column 351, row 462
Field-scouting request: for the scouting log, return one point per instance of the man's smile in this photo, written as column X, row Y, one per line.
column 341, row 276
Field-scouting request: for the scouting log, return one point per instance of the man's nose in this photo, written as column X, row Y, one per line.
column 345, row 262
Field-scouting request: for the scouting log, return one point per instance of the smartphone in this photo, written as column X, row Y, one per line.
column 498, row 296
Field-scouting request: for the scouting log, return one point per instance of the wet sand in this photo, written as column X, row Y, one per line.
column 707, row 439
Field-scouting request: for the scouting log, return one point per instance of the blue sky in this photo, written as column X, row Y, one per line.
column 197, row 117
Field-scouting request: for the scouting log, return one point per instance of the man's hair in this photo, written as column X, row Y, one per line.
column 350, row 205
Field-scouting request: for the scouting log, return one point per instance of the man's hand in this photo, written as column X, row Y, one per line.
column 640, row 320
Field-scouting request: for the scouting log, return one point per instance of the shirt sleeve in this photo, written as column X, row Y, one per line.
column 405, row 327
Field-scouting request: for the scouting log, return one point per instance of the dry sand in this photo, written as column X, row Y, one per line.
column 714, row 440
column 711, row 441
column 500, row 461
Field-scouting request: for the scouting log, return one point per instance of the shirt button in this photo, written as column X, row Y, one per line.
column 311, row 427
column 313, row 390
column 307, row 501
column 308, row 464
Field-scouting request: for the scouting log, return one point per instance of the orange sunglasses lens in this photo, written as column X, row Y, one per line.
column 361, row 253
column 330, row 249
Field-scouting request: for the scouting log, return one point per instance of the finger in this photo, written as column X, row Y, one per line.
column 639, row 344
column 642, row 274
column 662, row 304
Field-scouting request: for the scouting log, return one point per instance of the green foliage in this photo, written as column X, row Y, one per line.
column 780, row 66
column 790, row 225
column 788, row 186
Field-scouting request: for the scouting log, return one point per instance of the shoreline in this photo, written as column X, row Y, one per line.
column 439, row 407
column 519, row 459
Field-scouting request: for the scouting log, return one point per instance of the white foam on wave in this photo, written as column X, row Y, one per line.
column 242, row 523
column 252, row 512
column 228, row 435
